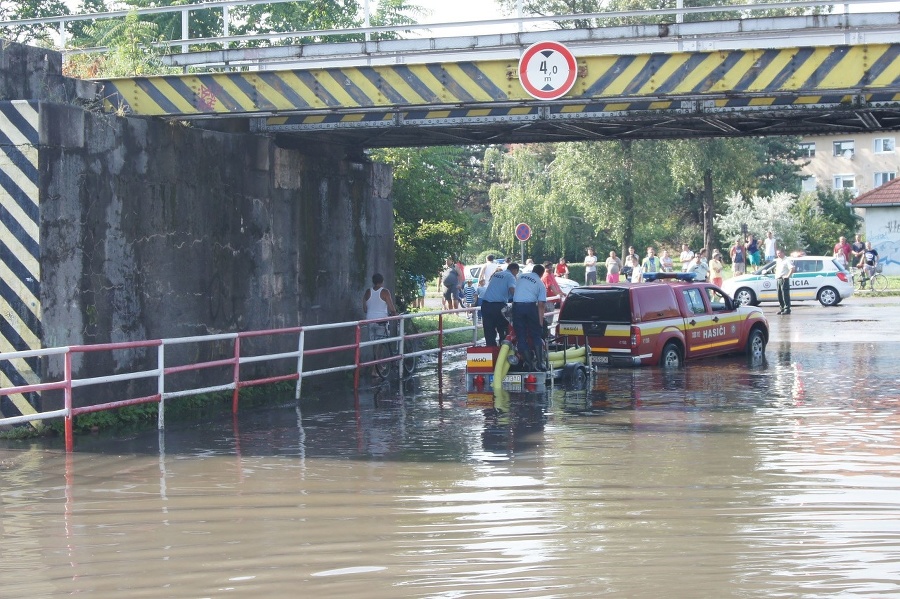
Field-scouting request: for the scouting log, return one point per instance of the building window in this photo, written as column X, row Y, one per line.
column 808, row 183
column 882, row 178
column 884, row 145
column 844, row 148
column 807, row 149
column 847, row 182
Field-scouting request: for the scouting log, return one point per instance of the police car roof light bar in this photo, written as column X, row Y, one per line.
column 677, row 276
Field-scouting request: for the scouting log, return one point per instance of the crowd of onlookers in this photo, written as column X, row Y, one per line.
column 743, row 255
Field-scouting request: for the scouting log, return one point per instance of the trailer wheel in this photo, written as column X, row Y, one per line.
column 575, row 376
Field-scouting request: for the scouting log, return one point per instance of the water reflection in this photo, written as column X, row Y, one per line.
column 718, row 479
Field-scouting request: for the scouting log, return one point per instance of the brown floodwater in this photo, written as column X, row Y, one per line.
column 721, row 479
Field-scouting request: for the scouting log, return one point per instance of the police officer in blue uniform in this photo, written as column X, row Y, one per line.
column 500, row 289
column 529, row 302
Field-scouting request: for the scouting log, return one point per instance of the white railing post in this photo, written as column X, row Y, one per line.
column 185, row 28
column 161, row 386
column 301, row 340
column 226, row 26
column 366, row 20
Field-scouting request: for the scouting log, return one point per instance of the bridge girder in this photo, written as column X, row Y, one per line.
column 737, row 92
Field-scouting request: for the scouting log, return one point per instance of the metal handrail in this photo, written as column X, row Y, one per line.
column 519, row 21
column 68, row 382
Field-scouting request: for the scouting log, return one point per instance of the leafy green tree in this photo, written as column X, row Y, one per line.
column 703, row 168
column 762, row 213
column 130, row 49
column 427, row 224
column 31, row 9
column 781, row 165
column 823, row 217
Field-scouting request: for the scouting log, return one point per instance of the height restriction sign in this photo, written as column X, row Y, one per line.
column 547, row 70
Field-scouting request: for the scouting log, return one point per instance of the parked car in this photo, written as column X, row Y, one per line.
column 664, row 322
column 815, row 278
column 566, row 285
column 473, row 272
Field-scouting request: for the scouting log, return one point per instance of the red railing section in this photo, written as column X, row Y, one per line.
column 355, row 350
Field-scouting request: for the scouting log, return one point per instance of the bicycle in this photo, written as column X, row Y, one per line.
column 384, row 352
column 877, row 282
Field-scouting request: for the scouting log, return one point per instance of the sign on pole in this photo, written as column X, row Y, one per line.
column 523, row 232
column 547, row 70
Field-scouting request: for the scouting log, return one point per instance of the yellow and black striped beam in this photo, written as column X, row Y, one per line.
column 20, row 307
column 373, row 96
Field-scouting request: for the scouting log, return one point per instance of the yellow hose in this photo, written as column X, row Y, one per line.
column 556, row 356
column 501, row 366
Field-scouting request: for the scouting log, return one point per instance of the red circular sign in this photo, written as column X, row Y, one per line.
column 547, row 70
column 523, row 232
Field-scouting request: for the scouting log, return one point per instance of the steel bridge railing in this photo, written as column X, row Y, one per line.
column 519, row 22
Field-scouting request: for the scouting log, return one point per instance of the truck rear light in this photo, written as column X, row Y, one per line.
column 635, row 337
column 843, row 276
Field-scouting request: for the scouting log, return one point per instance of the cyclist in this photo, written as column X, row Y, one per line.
column 868, row 262
column 378, row 303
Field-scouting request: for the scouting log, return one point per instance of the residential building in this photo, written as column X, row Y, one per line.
column 855, row 161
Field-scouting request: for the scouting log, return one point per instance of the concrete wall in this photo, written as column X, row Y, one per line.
column 149, row 229
column 883, row 230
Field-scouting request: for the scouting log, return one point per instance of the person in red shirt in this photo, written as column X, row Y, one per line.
column 844, row 248
column 550, row 283
column 562, row 269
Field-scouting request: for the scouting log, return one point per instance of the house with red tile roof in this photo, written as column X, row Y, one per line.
column 880, row 209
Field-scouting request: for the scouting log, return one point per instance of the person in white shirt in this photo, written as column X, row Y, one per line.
column 590, row 268
column 488, row 270
column 784, row 268
column 686, row 256
column 769, row 247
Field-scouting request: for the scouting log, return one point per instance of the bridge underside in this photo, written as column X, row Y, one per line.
column 555, row 124
column 738, row 92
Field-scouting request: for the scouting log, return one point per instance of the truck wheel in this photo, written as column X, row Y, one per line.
column 671, row 356
column 756, row 345
column 828, row 296
column 745, row 297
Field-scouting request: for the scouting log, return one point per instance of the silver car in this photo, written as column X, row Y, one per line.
column 815, row 278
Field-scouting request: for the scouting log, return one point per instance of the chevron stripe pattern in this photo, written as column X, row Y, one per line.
column 20, row 309
column 733, row 79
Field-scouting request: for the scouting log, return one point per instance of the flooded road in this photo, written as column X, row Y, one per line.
column 717, row 480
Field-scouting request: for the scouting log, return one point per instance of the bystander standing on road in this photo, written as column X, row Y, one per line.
column 590, row 268
column 784, row 268
column 843, row 248
column 857, row 249
column 686, row 256
column 738, row 258
column 769, row 247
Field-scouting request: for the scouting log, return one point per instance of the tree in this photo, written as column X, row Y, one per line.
column 130, row 49
column 701, row 167
column 781, row 164
column 762, row 213
column 31, row 9
column 427, row 224
column 823, row 217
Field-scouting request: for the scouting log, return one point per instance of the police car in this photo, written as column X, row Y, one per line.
column 815, row 278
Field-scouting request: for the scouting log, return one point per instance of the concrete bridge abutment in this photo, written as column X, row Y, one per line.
column 122, row 229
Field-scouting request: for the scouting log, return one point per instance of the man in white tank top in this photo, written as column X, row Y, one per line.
column 377, row 303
